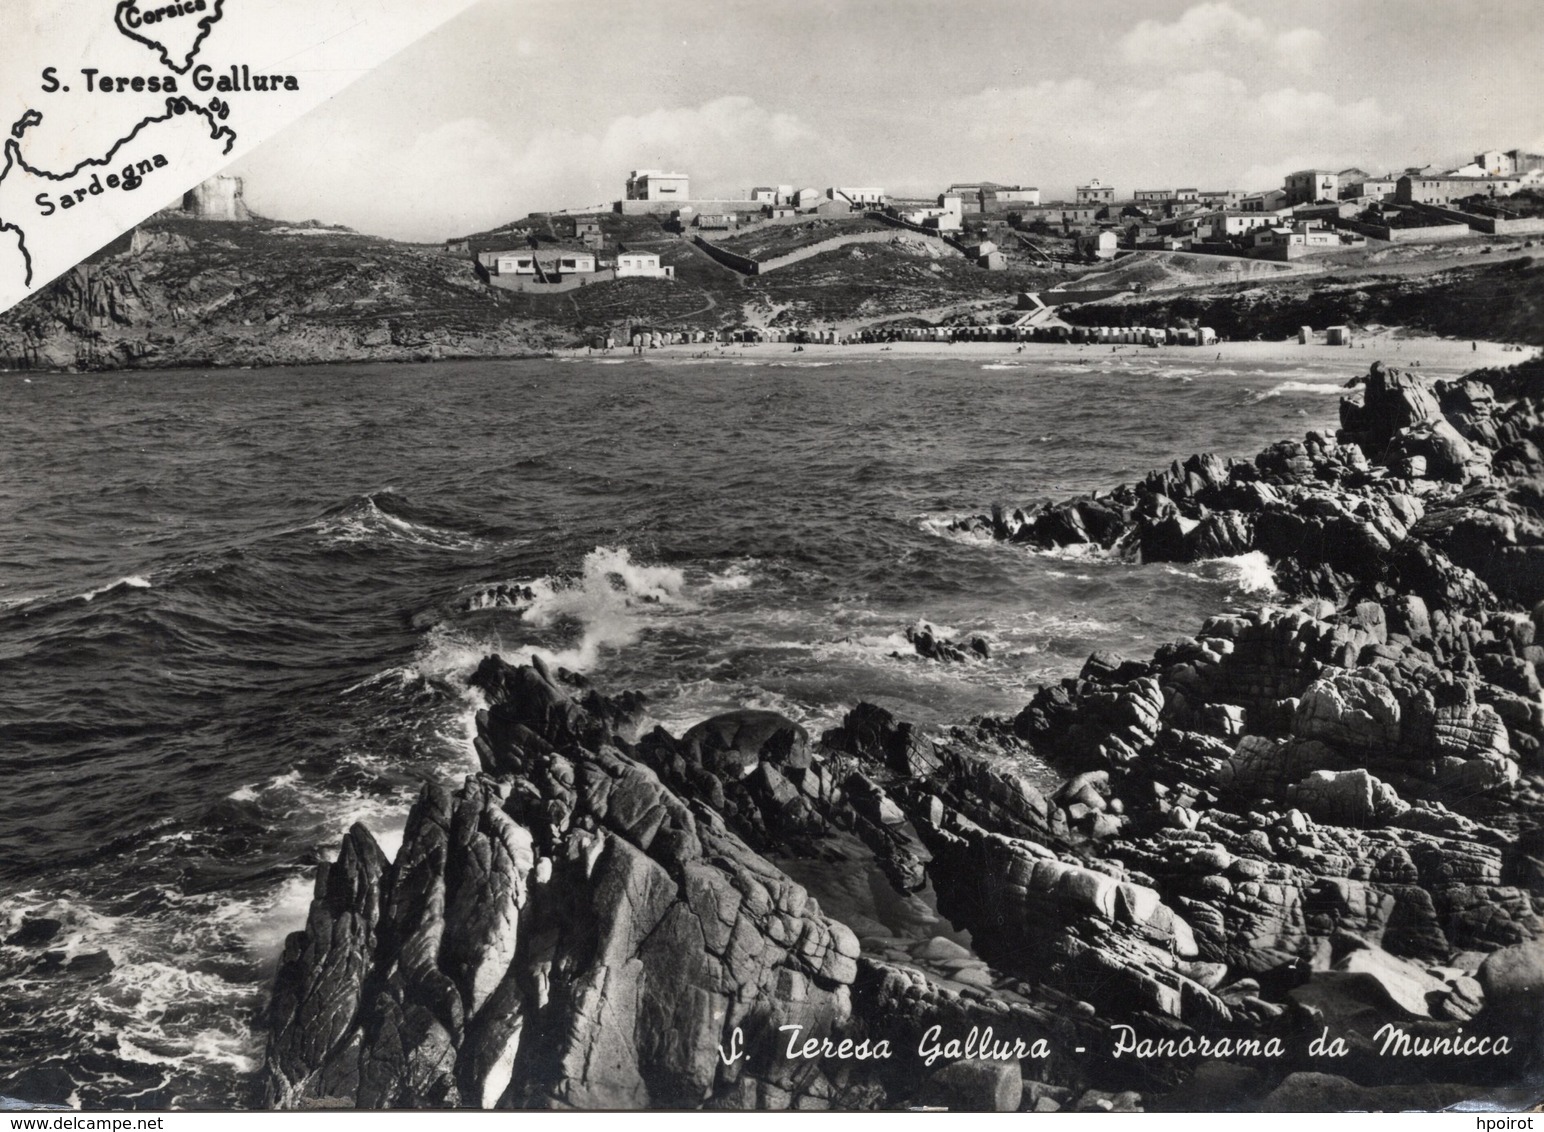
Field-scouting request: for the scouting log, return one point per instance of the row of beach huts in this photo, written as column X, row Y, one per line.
column 649, row 338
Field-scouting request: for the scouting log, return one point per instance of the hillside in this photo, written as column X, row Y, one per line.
column 190, row 293
column 1501, row 302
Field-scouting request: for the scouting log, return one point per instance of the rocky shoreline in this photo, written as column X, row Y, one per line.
column 1313, row 822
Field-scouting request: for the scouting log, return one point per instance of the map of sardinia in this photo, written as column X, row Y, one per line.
column 112, row 109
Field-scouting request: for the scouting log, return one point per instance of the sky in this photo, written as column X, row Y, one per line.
column 524, row 105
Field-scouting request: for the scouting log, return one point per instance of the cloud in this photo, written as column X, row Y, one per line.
column 1300, row 48
column 1198, row 126
column 469, row 174
column 1219, row 33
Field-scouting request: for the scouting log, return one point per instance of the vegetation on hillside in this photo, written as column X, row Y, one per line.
column 1502, row 302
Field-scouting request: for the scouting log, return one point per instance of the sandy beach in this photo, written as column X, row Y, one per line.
column 1441, row 355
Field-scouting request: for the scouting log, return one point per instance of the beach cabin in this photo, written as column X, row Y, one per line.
column 515, row 263
column 1337, row 336
column 642, row 265
column 1208, row 336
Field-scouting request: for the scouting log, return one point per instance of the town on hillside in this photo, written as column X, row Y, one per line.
column 996, row 227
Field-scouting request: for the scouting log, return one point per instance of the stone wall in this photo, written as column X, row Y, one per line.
column 1409, row 235
column 530, row 285
column 1490, row 225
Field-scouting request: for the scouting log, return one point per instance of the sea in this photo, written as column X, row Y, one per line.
column 238, row 609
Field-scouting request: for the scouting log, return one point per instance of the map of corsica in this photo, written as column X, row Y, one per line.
column 175, row 30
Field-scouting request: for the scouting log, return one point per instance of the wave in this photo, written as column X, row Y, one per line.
column 384, row 516
column 1299, row 387
column 610, row 600
column 132, row 581
column 1249, row 572
column 941, row 525
column 1086, row 552
column 736, row 577
column 250, row 792
column 153, row 986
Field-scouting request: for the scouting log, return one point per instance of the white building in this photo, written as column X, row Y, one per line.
column 642, row 265
column 1015, row 195
column 1309, row 185
column 806, row 199
column 1095, row 192
column 516, row 263
column 1496, row 163
column 1233, row 222
column 655, row 184
column 859, row 195
column 949, row 216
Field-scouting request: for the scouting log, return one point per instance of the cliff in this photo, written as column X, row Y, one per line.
column 1323, row 819
column 186, row 292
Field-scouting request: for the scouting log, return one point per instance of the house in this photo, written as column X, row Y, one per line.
column 642, row 265
column 655, row 184
column 1494, row 163
column 716, row 222
column 772, row 194
column 986, row 255
column 1473, row 169
column 1442, row 190
column 1523, row 162
column 1095, row 192
column 1231, row 224
column 1066, row 216
column 1300, row 237
column 514, row 263
column 1272, row 200
column 1327, row 210
column 1308, row 185
column 969, row 194
column 1187, row 196
column 1099, row 245
column 806, row 199
column 860, row 196
column 946, row 216
column 1368, row 189
column 1222, row 198
column 1000, row 198
column 1153, row 196
column 550, row 266
column 839, row 206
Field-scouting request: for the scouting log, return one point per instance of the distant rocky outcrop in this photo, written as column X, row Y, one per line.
column 1428, row 490
column 1324, row 818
